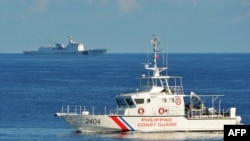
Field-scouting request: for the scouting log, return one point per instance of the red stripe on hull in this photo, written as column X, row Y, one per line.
column 119, row 123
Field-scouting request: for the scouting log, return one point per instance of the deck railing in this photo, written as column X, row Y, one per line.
column 112, row 110
column 90, row 110
column 199, row 113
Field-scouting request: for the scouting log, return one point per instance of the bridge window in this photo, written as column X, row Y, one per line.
column 121, row 102
column 171, row 100
column 130, row 102
column 148, row 100
column 139, row 101
column 164, row 100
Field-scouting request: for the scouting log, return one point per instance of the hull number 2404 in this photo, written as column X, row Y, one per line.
column 92, row 121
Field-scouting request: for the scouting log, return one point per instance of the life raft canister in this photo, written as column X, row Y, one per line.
column 140, row 111
column 162, row 110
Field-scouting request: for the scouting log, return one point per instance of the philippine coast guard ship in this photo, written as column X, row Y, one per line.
column 159, row 105
column 72, row 48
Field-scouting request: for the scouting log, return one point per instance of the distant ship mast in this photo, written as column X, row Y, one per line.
column 70, row 39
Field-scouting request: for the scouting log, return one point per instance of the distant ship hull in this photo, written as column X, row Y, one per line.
column 94, row 52
column 73, row 48
column 62, row 52
column 50, row 53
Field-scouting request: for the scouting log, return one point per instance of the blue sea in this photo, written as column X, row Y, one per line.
column 34, row 87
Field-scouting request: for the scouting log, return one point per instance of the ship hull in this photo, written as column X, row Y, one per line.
column 63, row 52
column 94, row 52
column 50, row 53
column 111, row 123
column 73, row 48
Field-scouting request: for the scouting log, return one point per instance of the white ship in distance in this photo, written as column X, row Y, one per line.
column 73, row 48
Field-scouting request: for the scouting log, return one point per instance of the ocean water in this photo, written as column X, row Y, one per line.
column 34, row 87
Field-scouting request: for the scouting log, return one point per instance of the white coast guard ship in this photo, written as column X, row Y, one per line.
column 159, row 105
column 71, row 48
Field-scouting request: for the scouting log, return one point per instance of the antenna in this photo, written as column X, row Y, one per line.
column 167, row 56
column 148, row 59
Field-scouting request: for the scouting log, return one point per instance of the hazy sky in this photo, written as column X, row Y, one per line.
column 126, row 26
